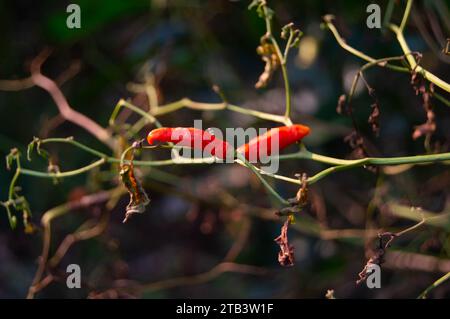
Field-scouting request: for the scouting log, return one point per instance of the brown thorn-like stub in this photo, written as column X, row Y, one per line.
column 218, row 90
column 138, row 144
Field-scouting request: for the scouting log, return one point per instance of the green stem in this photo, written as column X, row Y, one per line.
column 438, row 282
column 378, row 62
column 388, row 14
column 70, row 140
column 338, row 164
column 441, row 98
column 263, row 181
column 288, row 45
column 406, row 15
column 261, row 115
column 12, row 185
column 78, row 171
column 282, row 60
column 412, row 61
column 415, row 159
column 122, row 103
column 287, row 90
column 357, row 53
column 201, row 106
column 341, row 164
column 328, row 171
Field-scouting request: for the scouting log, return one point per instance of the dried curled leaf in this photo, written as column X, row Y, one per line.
column 429, row 127
column 268, row 55
column 356, row 142
column 23, row 205
column 377, row 257
column 138, row 196
column 425, row 129
column 286, row 254
column 340, row 109
column 302, row 194
column 289, row 31
column 297, row 203
column 11, row 157
column 374, row 118
column 36, row 143
column 260, row 5
column 446, row 49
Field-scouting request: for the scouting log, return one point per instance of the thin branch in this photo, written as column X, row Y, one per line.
column 339, row 164
column 435, row 284
column 61, row 102
column 406, row 15
column 328, row 22
column 281, row 57
column 46, row 220
column 412, row 61
column 188, row 103
column 263, row 181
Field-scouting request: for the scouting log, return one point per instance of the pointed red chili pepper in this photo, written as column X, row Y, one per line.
column 191, row 137
column 262, row 145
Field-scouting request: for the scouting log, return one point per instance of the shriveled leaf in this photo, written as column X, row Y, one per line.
column 288, row 211
column 374, row 118
column 34, row 143
column 290, row 31
column 356, row 142
column 341, row 104
column 11, row 157
column 260, row 5
column 286, row 254
column 29, row 227
column 429, row 127
column 138, row 197
column 267, row 52
column 286, row 29
column 13, row 222
column 423, row 130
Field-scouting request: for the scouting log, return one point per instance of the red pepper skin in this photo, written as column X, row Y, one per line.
column 262, row 145
column 190, row 137
column 257, row 147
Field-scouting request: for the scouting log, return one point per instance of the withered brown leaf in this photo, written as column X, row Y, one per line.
column 268, row 55
column 138, row 196
column 286, row 254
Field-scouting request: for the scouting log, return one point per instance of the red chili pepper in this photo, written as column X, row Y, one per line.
column 257, row 147
column 262, row 145
column 191, row 137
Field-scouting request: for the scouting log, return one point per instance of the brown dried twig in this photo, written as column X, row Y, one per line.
column 46, row 220
column 66, row 111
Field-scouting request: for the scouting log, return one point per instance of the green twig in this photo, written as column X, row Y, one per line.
column 281, row 58
column 328, row 22
column 438, row 282
column 412, row 61
column 406, row 15
column 263, row 181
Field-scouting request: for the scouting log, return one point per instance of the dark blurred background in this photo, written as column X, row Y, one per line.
column 188, row 46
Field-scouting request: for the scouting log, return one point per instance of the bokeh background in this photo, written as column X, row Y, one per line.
column 193, row 224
